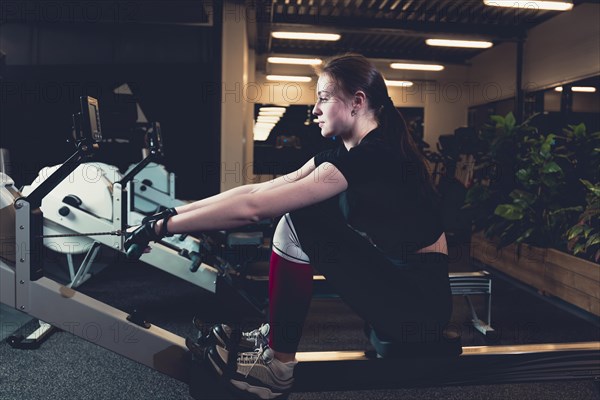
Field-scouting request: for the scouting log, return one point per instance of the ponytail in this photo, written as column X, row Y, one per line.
column 398, row 136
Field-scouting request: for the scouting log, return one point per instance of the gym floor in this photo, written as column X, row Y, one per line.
column 68, row 367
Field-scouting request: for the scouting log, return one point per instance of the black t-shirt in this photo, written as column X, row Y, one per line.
column 386, row 201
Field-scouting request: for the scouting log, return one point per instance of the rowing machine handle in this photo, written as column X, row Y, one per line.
column 196, row 261
column 134, row 252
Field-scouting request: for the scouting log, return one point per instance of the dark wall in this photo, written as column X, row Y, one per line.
column 37, row 103
column 172, row 68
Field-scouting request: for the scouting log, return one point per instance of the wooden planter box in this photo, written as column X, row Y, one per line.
column 552, row 272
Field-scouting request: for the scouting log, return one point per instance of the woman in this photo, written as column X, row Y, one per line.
column 363, row 214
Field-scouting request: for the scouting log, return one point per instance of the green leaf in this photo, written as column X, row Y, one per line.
column 510, row 121
column 579, row 130
column 595, row 189
column 575, row 209
column 498, row 119
column 551, row 167
column 545, row 152
column 525, row 235
column 574, row 231
column 509, row 212
column 522, row 195
column 594, row 239
column 536, row 158
column 578, row 248
column 549, row 180
column 523, row 175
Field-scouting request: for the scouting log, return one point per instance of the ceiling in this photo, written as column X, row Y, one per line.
column 378, row 29
column 114, row 12
column 391, row 29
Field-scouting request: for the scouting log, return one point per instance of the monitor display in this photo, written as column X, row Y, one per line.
column 90, row 119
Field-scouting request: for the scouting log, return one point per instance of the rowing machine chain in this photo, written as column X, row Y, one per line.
column 113, row 233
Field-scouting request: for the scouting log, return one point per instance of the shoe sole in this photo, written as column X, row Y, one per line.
column 241, row 387
column 258, row 391
column 222, row 341
column 214, row 353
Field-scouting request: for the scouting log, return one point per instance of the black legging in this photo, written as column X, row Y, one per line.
column 408, row 304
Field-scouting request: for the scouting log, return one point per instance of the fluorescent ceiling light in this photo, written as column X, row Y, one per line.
column 261, row 134
column 263, row 129
column 531, row 5
column 264, row 118
column 271, row 113
column 331, row 37
column 474, row 44
column 289, row 78
column 585, row 89
column 398, row 83
column 265, row 124
column 295, row 61
column 417, row 67
column 272, row 109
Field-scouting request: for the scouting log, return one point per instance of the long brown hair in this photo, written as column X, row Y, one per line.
column 353, row 73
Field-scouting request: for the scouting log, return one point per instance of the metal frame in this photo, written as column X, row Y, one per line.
column 82, row 274
column 44, row 330
column 474, row 283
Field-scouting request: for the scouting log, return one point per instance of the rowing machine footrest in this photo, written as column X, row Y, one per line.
column 447, row 345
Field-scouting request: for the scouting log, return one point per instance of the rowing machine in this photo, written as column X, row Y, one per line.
column 96, row 196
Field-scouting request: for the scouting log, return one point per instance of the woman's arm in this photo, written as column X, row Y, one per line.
column 251, row 188
column 322, row 183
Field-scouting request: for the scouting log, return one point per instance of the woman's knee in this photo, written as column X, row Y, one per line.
column 286, row 242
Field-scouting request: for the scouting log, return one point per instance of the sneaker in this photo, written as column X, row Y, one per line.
column 257, row 372
column 252, row 340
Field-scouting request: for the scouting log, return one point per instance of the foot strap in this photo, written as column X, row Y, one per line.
column 165, row 215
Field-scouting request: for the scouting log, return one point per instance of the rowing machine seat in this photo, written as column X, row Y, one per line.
column 447, row 345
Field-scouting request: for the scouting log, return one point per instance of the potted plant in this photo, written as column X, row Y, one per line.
column 528, row 202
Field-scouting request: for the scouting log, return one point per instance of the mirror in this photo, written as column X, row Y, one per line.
column 558, row 106
column 573, row 103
